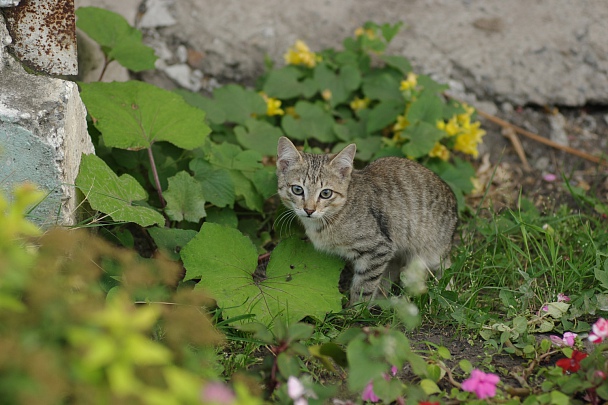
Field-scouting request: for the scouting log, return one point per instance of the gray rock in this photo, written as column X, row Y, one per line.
column 558, row 134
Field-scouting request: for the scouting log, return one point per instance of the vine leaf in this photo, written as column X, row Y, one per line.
column 133, row 115
column 185, row 198
column 119, row 41
column 113, row 195
column 299, row 280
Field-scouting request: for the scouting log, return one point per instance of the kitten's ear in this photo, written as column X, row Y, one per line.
column 287, row 154
column 343, row 161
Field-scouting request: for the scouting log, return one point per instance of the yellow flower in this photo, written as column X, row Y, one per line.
column 291, row 111
column 365, row 31
column 452, row 128
column 401, row 123
column 273, row 107
column 440, row 151
column 359, row 103
column 300, row 54
column 410, row 82
column 467, row 141
column 326, row 94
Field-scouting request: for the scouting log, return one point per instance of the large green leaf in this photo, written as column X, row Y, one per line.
column 427, row 108
column 134, row 115
column 217, row 184
column 185, row 199
column 423, row 137
column 340, row 84
column 214, row 113
column 119, row 41
column 383, row 114
column 285, row 83
column 239, row 104
column 113, row 195
column 299, row 280
column 382, row 85
column 312, row 122
column 259, row 136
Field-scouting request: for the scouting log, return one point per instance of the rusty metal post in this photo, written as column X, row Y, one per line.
column 44, row 35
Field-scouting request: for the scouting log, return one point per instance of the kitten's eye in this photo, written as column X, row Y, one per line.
column 326, row 193
column 297, row 190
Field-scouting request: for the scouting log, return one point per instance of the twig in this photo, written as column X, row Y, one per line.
column 510, row 134
column 595, row 159
column 450, row 376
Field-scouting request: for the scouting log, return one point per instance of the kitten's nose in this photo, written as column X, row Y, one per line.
column 308, row 212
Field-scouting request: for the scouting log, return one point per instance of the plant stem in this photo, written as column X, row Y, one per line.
column 156, row 179
column 105, row 66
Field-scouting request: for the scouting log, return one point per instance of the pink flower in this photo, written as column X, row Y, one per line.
column 218, row 393
column 368, row 393
column 561, row 297
column 482, row 384
column 545, row 308
column 394, row 370
column 549, row 177
column 599, row 331
column 567, row 340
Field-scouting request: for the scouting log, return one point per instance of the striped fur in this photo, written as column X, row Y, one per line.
column 384, row 219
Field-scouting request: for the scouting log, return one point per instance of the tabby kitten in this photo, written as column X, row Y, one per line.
column 389, row 217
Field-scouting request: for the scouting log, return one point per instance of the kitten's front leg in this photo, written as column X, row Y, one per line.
column 367, row 278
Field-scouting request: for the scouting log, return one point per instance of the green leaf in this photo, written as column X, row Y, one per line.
column 429, row 387
column 214, row 113
column 299, row 331
column 398, row 62
column 427, row 108
column 328, row 351
column 465, row 365
column 341, row 84
column 259, row 136
column 265, row 181
column 288, row 365
column 389, row 31
column 313, row 122
column 431, row 86
column 246, row 191
column 239, row 104
column 113, row 195
column 382, row 86
column 185, row 199
column 423, row 137
column 119, row 41
column 364, row 363
column 217, row 184
column 299, row 280
column 285, row 83
column 601, row 275
column 222, row 216
column 134, row 115
column 384, row 114
column 170, row 240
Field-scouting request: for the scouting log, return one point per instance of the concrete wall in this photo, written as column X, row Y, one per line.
column 42, row 136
